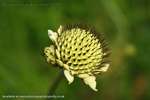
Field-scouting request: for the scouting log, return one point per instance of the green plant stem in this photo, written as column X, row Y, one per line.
column 55, row 85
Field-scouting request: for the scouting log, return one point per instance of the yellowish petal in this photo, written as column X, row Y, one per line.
column 105, row 68
column 52, row 35
column 59, row 29
column 91, row 81
column 69, row 77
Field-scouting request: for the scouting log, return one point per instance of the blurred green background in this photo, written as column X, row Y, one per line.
column 23, row 35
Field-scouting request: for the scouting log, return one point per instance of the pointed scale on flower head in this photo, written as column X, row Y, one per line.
column 80, row 51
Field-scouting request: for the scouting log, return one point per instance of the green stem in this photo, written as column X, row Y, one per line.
column 55, row 85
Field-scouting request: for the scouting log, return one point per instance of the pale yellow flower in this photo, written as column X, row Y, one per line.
column 80, row 51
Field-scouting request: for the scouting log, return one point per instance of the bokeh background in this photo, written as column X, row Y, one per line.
column 23, row 35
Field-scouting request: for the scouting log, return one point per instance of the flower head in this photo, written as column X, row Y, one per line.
column 80, row 51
